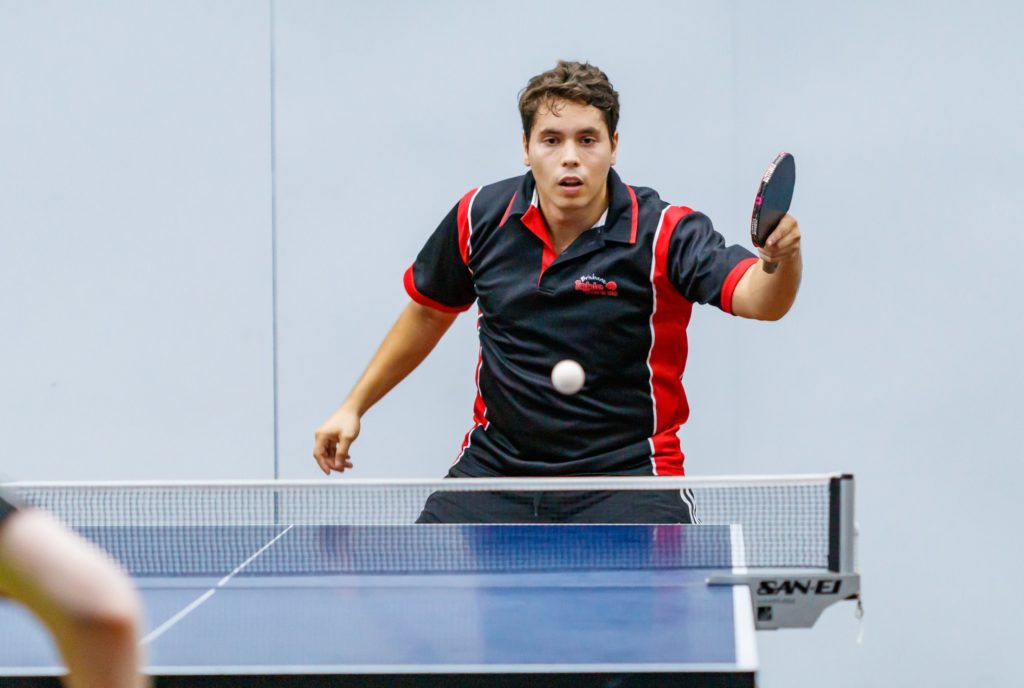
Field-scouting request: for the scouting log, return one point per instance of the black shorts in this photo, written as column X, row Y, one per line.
column 601, row 506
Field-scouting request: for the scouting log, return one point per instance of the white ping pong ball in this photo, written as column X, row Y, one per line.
column 567, row 376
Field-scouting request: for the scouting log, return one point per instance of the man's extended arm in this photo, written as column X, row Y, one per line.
column 763, row 296
column 414, row 335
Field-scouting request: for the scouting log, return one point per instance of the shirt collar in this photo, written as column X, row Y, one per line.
column 619, row 220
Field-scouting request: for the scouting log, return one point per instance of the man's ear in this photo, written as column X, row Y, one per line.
column 526, row 150
column 615, row 145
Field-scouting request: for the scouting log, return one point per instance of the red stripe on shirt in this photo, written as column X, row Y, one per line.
column 479, row 406
column 415, row 295
column 508, row 210
column 534, row 222
column 546, row 259
column 733, row 278
column 463, row 221
column 667, row 358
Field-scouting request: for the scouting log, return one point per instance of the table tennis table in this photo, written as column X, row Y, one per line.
column 427, row 605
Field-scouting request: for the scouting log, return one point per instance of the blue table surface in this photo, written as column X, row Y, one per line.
column 352, row 599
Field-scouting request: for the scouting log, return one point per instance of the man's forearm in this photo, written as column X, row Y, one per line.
column 763, row 296
column 413, row 336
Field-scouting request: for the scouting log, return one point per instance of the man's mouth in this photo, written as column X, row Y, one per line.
column 570, row 182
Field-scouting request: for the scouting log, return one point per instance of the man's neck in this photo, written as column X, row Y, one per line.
column 564, row 227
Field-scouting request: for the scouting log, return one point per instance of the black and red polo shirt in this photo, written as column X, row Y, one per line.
column 617, row 300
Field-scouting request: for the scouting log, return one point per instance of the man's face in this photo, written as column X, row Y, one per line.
column 570, row 151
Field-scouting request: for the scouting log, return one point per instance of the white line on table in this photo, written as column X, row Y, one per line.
column 165, row 626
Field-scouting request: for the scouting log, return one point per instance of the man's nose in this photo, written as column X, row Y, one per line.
column 569, row 156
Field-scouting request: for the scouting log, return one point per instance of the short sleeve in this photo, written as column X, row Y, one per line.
column 700, row 264
column 439, row 278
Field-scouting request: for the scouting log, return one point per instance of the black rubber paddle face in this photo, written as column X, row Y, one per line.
column 773, row 198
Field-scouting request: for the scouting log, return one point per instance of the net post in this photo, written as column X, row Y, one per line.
column 841, row 531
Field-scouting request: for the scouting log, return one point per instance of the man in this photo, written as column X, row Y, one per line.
column 568, row 262
column 85, row 601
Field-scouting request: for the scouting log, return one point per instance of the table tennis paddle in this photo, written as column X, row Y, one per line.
column 773, row 198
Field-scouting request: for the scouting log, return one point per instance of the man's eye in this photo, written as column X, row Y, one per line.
column 588, row 140
column 550, row 141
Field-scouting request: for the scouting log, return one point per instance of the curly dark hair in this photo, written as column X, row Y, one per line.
column 578, row 82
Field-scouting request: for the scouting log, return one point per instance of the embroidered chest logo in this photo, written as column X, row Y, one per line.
column 592, row 285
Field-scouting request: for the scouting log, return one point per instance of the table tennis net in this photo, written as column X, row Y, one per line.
column 338, row 527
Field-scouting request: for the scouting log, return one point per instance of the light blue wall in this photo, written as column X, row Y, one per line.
column 136, row 256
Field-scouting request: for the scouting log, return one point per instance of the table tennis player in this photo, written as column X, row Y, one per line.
column 83, row 598
column 568, row 262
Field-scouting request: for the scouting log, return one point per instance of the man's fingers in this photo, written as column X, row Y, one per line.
column 785, row 247
column 783, row 243
column 322, row 461
column 324, row 450
column 341, row 459
column 786, row 230
column 333, row 439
